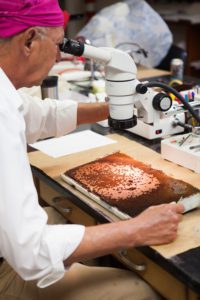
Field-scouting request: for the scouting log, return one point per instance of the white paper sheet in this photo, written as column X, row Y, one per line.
column 72, row 143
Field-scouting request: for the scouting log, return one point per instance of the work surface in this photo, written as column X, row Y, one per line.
column 182, row 257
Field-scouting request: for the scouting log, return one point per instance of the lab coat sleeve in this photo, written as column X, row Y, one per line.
column 34, row 249
column 48, row 118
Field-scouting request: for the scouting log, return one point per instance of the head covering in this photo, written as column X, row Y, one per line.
column 18, row 15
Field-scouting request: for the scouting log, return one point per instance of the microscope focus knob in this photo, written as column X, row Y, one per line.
column 162, row 102
column 141, row 88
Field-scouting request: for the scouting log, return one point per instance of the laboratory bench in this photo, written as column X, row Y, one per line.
column 174, row 269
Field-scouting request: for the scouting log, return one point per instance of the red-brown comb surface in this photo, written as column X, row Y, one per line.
column 128, row 184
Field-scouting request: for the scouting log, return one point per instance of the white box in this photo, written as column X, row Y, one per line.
column 179, row 151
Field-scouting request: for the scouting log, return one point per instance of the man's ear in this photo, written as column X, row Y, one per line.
column 29, row 38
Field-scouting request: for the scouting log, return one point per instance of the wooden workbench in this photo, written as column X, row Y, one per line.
column 144, row 72
column 176, row 264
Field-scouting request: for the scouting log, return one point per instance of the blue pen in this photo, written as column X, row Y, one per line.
column 193, row 96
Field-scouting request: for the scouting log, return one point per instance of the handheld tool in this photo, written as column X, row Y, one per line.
column 190, row 202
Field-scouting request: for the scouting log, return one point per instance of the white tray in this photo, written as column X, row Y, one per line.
column 176, row 150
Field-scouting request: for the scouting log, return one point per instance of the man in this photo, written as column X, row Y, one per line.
column 42, row 256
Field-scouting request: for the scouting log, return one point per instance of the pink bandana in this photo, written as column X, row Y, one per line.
column 18, row 15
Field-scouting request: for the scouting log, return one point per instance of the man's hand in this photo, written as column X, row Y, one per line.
column 157, row 224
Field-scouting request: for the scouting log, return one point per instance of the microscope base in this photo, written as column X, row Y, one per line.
column 157, row 130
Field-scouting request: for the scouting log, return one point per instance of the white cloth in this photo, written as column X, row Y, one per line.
column 34, row 249
column 132, row 21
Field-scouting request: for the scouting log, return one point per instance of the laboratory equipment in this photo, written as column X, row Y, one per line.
column 49, row 87
column 133, row 105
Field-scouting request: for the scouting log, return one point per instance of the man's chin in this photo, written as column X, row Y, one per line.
column 35, row 83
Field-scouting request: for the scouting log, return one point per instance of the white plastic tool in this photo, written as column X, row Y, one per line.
column 190, row 202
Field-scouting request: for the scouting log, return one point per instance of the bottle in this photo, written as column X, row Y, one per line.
column 177, row 69
column 49, row 87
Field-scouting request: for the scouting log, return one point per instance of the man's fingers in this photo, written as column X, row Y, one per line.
column 178, row 207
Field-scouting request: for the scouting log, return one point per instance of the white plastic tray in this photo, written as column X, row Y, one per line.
column 181, row 150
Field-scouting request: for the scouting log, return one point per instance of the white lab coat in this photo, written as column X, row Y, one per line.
column 34, row 249
column 47, row 118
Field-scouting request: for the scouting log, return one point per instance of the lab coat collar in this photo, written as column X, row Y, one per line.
column 8, row 89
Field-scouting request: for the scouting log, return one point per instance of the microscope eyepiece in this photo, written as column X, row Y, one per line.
column 72, row 47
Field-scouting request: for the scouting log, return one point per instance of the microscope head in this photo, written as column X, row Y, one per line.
column 120, row 78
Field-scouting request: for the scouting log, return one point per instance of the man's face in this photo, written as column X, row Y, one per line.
column 45, row 53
